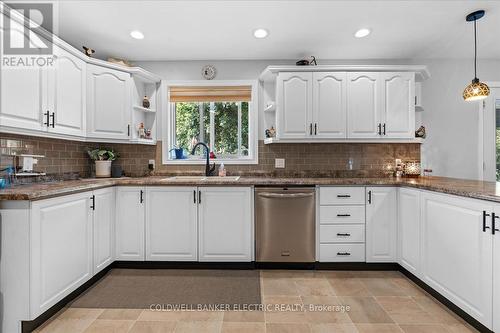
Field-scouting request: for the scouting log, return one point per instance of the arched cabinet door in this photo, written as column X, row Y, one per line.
column 363, row 105
column 22, row 94
column 294, row 92
column 399, row 105
column 108, row 103
column 67, row 94
column 329, row 105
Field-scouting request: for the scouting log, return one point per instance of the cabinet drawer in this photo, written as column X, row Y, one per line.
column 342, row 233
column 342, row 252
column 342, row 196
column 341, row 214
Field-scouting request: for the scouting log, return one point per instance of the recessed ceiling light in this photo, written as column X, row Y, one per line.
column 137, row 34
column 362, row 33
column 260, row 33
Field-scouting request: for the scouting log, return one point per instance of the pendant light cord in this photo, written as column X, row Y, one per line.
column 475, row 50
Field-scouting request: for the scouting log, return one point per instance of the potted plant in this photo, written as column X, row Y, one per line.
column 103, row 159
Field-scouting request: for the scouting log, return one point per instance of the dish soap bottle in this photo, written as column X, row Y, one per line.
column 222, row 170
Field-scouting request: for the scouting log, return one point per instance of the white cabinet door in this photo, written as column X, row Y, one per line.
column 171, row 223
column 409, row 230
column 381, row 224
column 129, row 223
column 457, row 254
column 329, row 105
column 108, row 103
column 496, row 272
column 61, row 248
column 225, row 224
column 363, row 105
column 399, row 105
column 23, row 98
column 294, row 104
column 67, row 94
column 104, row 228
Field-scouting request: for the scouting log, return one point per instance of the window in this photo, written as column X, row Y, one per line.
column 222, row 117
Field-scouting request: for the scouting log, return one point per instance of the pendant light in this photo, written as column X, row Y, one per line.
column 477, row 90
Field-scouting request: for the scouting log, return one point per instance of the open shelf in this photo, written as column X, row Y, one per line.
column 143, row 109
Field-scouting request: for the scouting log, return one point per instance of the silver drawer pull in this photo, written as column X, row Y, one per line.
column 343, row 254
column 343, row 215
column 343, row 196
column 343, row 234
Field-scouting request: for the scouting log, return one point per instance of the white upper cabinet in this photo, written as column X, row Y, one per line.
column 103, row 205
column 225, row 223
column 67, row 94
column 329, row 105
column 457, row 253
column 61, row 249
column 130, row 223
column 171, row 223
column 381, row 224
column 108, row 103
column 294, row 92
column 409, row 230
column 399, row 105
column 364, row 105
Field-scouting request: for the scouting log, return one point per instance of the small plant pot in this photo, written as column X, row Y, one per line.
column 103, row 169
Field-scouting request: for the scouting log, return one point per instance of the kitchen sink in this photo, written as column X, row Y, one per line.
column 204, row 178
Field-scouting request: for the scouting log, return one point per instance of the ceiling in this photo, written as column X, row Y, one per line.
column 222, row 30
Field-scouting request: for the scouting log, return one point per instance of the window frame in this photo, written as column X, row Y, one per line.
column 168, row 135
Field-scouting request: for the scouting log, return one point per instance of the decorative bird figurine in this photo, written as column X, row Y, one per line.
column 88, row 51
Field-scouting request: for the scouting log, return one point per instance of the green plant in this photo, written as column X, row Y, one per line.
column 99, row 154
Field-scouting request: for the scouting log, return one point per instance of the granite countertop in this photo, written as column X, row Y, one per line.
column 467, row 188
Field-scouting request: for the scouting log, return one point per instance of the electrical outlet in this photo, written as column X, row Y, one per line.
column 151, row 164
column 279, row 163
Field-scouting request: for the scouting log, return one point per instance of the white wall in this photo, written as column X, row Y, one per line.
column 451, row 147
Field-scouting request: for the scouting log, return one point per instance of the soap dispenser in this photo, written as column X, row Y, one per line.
column 222, row 170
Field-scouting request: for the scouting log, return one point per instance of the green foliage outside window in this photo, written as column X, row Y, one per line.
column 189, row 115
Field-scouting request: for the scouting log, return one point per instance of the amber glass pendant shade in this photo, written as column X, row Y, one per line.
column 476, row 91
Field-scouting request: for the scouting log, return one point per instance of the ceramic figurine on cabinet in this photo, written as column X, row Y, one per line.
column 88, row 51
column 420, row 133
column 145, row 102
column 141, row 131
column 271, row 132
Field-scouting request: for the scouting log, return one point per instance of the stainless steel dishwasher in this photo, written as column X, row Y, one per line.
column 285, row 228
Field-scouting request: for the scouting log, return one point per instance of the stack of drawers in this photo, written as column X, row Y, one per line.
column 342, row 224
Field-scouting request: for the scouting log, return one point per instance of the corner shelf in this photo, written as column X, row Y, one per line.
column 143, row 109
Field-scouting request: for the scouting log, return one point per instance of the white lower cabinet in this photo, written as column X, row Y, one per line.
column 103, row 204
column 409, row 230
column 457, row 254
column 381, row 224
column 496, row 272
column 171, row 223
column 225, row 224
column 130, row 223
column 61, row 249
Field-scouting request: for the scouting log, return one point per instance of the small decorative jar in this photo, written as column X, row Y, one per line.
column 145, row 102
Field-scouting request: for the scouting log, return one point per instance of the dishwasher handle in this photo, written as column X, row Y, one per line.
column 285, row 195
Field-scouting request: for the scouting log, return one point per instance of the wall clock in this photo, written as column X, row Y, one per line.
column 209, row 72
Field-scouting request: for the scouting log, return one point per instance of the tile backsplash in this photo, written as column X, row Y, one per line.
column 64, row 157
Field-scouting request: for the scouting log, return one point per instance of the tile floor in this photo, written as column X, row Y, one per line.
column 382, row 302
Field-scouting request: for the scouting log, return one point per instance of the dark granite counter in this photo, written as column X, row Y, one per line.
column 466, row 188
